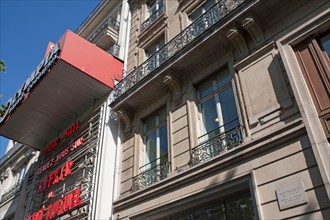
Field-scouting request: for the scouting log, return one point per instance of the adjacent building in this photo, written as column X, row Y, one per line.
column 225, row 111
column 15, row 178
column 62, row 111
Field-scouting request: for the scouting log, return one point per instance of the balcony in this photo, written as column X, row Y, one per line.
column 151, row 175
column 173, row 47
column 12, row 191
column 217, row 144
column 106, row 34
column 153, row 17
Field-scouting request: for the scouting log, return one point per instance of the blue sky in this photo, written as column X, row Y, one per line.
column 26, row 27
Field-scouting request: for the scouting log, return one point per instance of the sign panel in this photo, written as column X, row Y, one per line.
column 290, row 195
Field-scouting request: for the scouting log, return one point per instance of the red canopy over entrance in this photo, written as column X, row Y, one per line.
column 68, row 82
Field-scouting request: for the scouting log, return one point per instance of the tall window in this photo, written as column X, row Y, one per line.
column 19, row 174
column 201, row 10
column 217, row 106
column 155, row 47
column 155, row 61
column 154, row 6
column 313, row 56
column 155, row 140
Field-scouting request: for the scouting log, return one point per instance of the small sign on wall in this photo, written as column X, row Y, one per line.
column 290, row 195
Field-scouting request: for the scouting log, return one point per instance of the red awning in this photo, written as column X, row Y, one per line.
column 67, row 83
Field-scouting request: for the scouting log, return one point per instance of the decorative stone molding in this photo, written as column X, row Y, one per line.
column 4, row 175
column 125, row 116
column 235, row 35
column 175, row 85
column 251, row 24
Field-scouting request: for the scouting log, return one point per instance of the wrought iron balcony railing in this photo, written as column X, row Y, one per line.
column 151, row 176
column 110, row 21
column 188, row 35
column 12, row 191
column 217, row 145
column 153, row 17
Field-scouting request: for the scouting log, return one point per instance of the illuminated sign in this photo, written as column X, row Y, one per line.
column 80, row 141
column 61, row 206
column 29, row 84
column 55, row 176
column 72, row 129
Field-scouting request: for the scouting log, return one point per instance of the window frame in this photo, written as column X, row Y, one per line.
column 314, row 64
column 198, row 7
column 215, row 94
column 157, row 5
column 158, row 125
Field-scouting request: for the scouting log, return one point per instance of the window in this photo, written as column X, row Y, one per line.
column 201, row 10
column 154, row 59
column 155, row 141
column 325, row 44
column 19, row 174
column 155, row 47
column 153, row 6
column 237, row 207
column 313, row 57
column 155, row 164
column 217, row 106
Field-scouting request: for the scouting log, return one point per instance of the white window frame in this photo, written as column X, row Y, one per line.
column 146, row 133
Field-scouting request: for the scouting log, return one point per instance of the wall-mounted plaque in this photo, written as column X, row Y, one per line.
column 290, row 195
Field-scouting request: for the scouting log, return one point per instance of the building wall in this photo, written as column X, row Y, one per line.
column 279, row 147
column 15, row 169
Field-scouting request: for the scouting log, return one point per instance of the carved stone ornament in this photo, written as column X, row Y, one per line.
column 175, row 85
column 125, row 116
column 237, row 38
column 253, row 27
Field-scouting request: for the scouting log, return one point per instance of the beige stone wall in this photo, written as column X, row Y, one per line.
column 267, row 167
column 276, row 149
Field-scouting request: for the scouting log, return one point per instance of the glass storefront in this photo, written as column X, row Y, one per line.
column 232, row 208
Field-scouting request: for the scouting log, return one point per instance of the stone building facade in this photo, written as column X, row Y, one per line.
column 225, row 111
column 15, row 178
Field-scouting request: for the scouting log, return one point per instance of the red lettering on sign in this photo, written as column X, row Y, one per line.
column 72, row 129
column 55, row 176
column 37, row 215
column 68, row 202
column 51, row 194
column 52, row 145
column 77, row 143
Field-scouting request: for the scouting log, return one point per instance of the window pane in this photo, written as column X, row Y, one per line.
column 201, row 10
column 209, row 114
column 151, row 3
column 208, row 4
column 205, row 89
column 155, row 47
column 151, row 153
column 162, row 116
column 240, row 208
column 196, row 14
column 228, row 108
column 222, row 79
column 325, row 42
column 150, row 123
column 163, row 143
